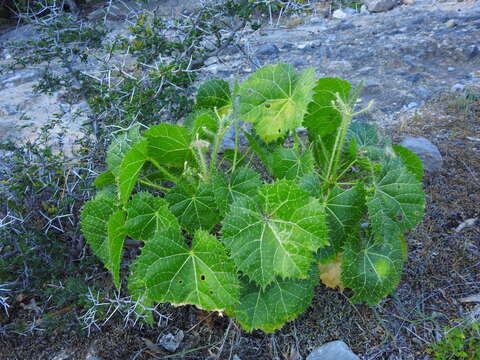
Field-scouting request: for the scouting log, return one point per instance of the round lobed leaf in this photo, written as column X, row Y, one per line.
column 168, row 271
column 276, row 234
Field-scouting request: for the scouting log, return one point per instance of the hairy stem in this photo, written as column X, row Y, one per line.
column 152, row 185
column 164, row 171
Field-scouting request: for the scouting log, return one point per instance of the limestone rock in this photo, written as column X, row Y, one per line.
column 429, row 154
column 335, row 350
column 344, row 13
column 380, row 5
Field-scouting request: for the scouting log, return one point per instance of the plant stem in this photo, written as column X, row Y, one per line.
column 235, row 124
column 216, row 146
column 164, row 171
column 152, row 185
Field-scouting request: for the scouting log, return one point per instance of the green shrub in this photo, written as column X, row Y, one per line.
column 235, row 242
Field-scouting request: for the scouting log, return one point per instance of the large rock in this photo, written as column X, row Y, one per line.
column 431, row 158
column 335, row 350
column 380, row 5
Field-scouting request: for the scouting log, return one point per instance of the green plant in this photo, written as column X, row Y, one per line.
column 231, row 241
column 462, row 342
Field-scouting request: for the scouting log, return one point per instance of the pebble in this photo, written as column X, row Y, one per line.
column 457, row 88
column 451, row 68
column 364, row 10
column 344, row 13
column 451, row 23
column 334, row 350
column 171, row 342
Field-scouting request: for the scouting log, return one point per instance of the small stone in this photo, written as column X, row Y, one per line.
column 267, row 50
column 472, row 52
column 210, row 61
column 412, row 105
column 451, row 23
column 316, row 20
column 364, row 10
column 408, row 2
column 451, row 68
column 335, row 350
column 457, row 88
column 344, row 13
column 429, row 154
column 171, row 342
column 380, row 5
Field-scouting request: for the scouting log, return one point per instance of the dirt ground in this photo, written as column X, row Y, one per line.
column 443, row 267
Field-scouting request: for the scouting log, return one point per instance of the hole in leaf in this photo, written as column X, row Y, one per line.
column 180, row 282
column 202, row 277
column 250, row 91
column 267, row 105
column 279, row 130
column 211, row 292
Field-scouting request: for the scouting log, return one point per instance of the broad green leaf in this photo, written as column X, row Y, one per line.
column 202, row 123
column 291, row 164
column 311, row 183
column 108, row 193
column 130, row 169
column 396, row 201
column 116, row 237
column 365, row 134
column 104, row 179
column 195, row 208
column 214, row 94
column 276, row 234
column 344, row 209
column 148, row 214
column 410, row 160
column 243, row 182
column 280, row 302
column 169, row 271
column 275, row 99
column 94, row 224
column 169, row 144
column 322, row 118
column 373, row 270
column 120, row 146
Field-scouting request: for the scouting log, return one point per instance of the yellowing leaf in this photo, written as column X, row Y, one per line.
column 330, row 274
column 275, row 99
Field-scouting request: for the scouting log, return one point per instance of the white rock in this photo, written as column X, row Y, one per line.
column 364, row 10
column 335, row 350
column 451, row 23
column 344, row 13
column 457, row 88
column 380, row 5
column 429, row 154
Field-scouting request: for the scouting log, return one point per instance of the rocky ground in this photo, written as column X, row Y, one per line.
column 406, row 57
column 417, row 60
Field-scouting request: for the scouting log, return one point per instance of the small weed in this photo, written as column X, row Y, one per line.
column 462, row 342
